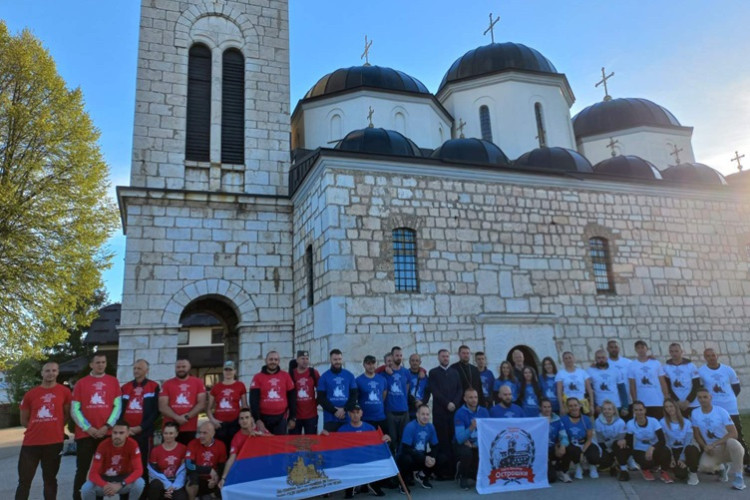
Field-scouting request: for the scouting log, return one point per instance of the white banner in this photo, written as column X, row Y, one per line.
column 512, row 454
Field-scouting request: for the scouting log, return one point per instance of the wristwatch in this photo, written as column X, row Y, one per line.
column 123, row 483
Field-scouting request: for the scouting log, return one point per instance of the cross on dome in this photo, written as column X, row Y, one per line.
column 491, row 28
column 366, row 54
column 675, row 152
column 737, row 158
column 603, row 81
column 612, row 143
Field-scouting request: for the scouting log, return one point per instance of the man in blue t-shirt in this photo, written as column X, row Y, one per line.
column 505, row 408
column 465, row 421
column 337, row 393
column 487, row 377
column 417, row 453
column 397, row 397
column 371, row 388
column 419, row 385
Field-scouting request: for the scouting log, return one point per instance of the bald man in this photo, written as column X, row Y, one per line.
column 204, row 462
column 182, row 399
column 140, row 407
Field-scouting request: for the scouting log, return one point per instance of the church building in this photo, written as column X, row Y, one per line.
column 378, row 213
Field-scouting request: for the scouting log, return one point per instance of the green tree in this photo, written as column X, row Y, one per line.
column 55, row 215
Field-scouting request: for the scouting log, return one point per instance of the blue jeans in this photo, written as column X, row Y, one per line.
column 89, row 491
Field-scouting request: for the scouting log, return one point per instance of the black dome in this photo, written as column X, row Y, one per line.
column 494, row 58
column 378, row 141
column 565, row 160
column 471, row 151
column 620, row 114
column 374, row 77
column 628, row 166
column 694, row 173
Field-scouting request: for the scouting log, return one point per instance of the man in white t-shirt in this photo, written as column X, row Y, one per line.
column 717, row 437
column 683, row 380
column 606, row 381
column 621, row 363
column 724, row 385
column 647, row 381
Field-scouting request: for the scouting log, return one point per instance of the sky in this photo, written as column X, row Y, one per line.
column 690, row 56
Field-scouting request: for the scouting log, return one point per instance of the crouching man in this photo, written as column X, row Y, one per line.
column 205, row 461
column 116, row 468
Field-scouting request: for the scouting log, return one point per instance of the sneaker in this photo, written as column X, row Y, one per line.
column 664, row 476
column 724, row 473
column 623, row 475
column 563, row 477
column 375, row 490
column 738, row 483
column 593, row 473
column 464, row 484
column 420, row 478
column 693, row 479
column 632, row 465
column 426, row 484
column 403, row 490
column 458, row 470
column 647, row 475
column 579, row 472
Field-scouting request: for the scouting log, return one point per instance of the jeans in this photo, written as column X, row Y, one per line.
column 90, row 491
column 28, row 460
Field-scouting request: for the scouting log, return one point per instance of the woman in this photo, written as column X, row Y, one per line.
column 573, row 382
column 558, row 462
column 582, row 441
column 529, row 393
column 507, row 377
column 679, row 436
column 548, row 384
column 646, row 438
column 610, row 433
column 166, row 467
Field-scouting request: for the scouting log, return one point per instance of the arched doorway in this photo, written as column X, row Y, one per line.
column 208, row 336
column 529, row 356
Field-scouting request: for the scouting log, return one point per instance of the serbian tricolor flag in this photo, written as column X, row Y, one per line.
column 307, row 466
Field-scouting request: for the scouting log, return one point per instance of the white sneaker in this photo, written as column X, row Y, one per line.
column 693, row 479
column 563, row 477
column 724, row 473
column 631, row 464
column 579, row 472
column 593, row 473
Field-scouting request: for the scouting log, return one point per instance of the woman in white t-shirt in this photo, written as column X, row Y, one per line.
column 610, row 433
column 678, row 433
column 646, row 438
column 573, row 382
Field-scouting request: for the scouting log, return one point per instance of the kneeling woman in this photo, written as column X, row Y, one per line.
column 610, row 433
column 557, row 463
column 646, row 438
column 582, row 442
column 678, row 432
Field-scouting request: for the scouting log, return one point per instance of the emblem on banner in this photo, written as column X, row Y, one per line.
column 512, row 457
column 306, row 472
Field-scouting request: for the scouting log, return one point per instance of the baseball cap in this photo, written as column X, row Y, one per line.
column 303, row 353
column 229, row 364
column 356, row 407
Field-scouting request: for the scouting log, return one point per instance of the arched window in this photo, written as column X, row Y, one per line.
column 405, row 260
column 336, row 133
column 399, row 123
column 309, row 273
column 233, row 107
column 484, row 123
column 601, row 262
column 198, row 126
column 541, row 134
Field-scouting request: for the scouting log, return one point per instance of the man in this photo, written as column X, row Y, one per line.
column 397, row 398
column 44, row 411
column 337, row 392
column 371, row 390
column 182, row 399
column 95, row 409
column 466, row 435
column 724, row 385
column 204, row 461
column 683, row 380
column 717, row 437
column 273, row 397
column 622, row 364
column 647, row 381
column 468, row 373
column 305, row 380
column 140, row 407
column 224, row 403
column 247, row 431
column 519, row 363
column 487, row 377
column 417, row 454
column 607, row 383
column 116, row 468
column 505, row 407
column 419, row 385
column 387, row 363
column 445, row 385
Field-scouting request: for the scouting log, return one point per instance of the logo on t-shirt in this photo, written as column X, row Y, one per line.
column 373, row 396
column 182, row 399
column 207, row 457
column 572, row 386
column 96, row 399
column 135, row 404
column 44, row 413
column 646, row 381
column 717, row 389
column 395, row 388
column 302, row 394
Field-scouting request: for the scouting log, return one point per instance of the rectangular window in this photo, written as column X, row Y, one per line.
column 217, row 336
column 405, row 260
column 183, row 337
column 310, row 276
column 601, row 263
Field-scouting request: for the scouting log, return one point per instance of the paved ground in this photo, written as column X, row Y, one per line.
column 603, row 488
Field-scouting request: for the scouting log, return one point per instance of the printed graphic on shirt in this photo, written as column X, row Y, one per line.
column 338, row 391
column 47, row 411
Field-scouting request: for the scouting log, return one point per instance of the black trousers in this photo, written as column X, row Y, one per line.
column 185, row 437
column 411, row 461
column 29, row 459
column 738, row 425
column 692, row 456
column 85, row 449
column 444, row 427
column 556, row 464
column 144, row 444
column 662, row 457
column 615, row 456
column 469, row 458
column 226, row 432
column 593, row 454
column 332, row 426
column 155, row 491
column 308, row 425
column 275, row 424
column 396, row 422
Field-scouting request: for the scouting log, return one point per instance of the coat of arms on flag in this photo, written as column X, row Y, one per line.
column 512, row 454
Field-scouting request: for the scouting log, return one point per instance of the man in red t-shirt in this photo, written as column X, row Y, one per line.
column 224, row 403
column 205, row 461
column 273, row 397
column 140, row 407
column 305, row 380
column 44, row 410
column 95, row 409
column 181, row 400
column 116, row 468
column 247, row 431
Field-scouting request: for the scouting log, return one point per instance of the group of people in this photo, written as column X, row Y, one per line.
column 665, row 419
